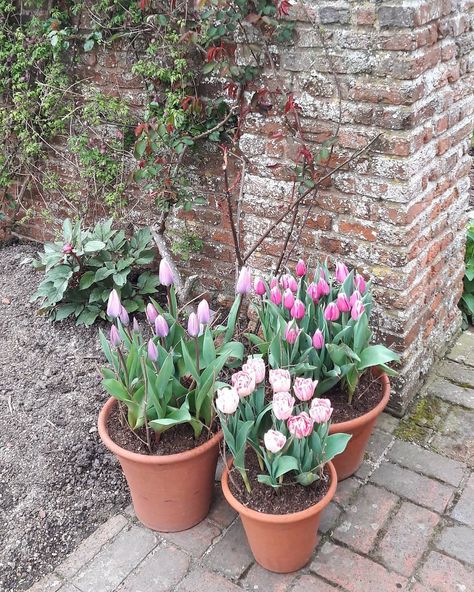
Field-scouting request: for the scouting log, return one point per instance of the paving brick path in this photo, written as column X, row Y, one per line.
column 405, row 522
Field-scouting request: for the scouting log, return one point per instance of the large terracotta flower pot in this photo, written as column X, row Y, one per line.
column 282, row 543
column 169, row 492
column 360, row 428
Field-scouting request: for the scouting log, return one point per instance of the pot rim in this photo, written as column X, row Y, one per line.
column 357, row 422
column 279, row 518
column 155, row 459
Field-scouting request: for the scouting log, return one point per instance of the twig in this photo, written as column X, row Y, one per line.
column 228, row 196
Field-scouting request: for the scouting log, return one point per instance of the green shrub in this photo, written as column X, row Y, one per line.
column 81, row 271
column 467, row 300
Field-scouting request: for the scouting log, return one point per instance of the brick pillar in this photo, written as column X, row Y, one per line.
column 405, row 70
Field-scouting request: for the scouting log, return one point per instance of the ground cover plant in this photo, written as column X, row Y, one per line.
column 467, row 299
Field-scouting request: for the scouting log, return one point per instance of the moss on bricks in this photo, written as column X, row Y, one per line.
column 424, row 417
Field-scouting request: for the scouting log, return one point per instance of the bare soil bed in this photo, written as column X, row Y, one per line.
column 57, row 481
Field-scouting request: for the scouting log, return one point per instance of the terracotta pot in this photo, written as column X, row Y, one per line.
column 170, row 492
column 281, row 542
column 361, row 428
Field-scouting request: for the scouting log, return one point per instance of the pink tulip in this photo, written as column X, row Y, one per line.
column 300, row 426
column 355, row 296
column 115, row 338
column 359, row 283
column 259, row 286
column 280, row 380
column 320, row 410
column 297, row 310
column 114, row 306
column 323, row 287
column 318, row 339
column 274, row 441
column 124, row 318
column 244, row 282
column 291, row 333
column 257, row 366
column 165, row 274
column 341, row 272
column 282, row 405
column 152, row 351
column 357, row 310
column 243, row 382
column 301, row 268
column 284, row 281
column 67, row 248
column 343, row 303
column 331, row 312
column 273, row 282
column 313, row 292
column 193, row 325
column 275, row 295
column 227, row 400
column 151, row 313
column 292, row 284
column 203, row 313
column 161, row 326
column 288, row 299
column 304, row 388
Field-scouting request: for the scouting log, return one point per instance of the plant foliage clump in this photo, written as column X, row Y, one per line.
column 467, row 300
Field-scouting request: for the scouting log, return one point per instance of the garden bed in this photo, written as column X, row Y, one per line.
column 57, row 481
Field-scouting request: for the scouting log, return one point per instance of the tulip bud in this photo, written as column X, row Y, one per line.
column 318, row 339
column 203, row 312
column 161, row 326
column 331, row 312
column 151, row 313
column 357, row 310
column 259, row 286
column 301, row 268
column 291, row 333
column 67, row 248
column 355, row 296
column 273, row 282
column 343, row 303
column 359, row 283
column 165, row 274
column 288, row 299
column 297, row 310
column 114, row 306
column 115, row 338
column 292, row 284
column 323, row 287
column 244, row 282
column 341, row 272
column 227, row 400
column 124, row 318
column 313, row 292
column 275, row 295
column 135, row 326
column 152, row 351
column 193, row 325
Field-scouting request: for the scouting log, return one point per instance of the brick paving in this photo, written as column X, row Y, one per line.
column 404, row 522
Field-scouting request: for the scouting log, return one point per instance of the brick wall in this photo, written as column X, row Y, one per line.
column 401, row 68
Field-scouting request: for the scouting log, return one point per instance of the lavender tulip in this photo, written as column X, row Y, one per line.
column 244, row 282
column 152, row 351
column 151, row 313
column 193, row 325
column 135, row 326
column 165, row 274
column 161, row 326
column 114, row 305
column 115, row 338
column 124, row 318
column 203, row 312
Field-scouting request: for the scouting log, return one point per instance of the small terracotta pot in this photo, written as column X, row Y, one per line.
column 282, row 543
column 170, row 492
column 360, row 428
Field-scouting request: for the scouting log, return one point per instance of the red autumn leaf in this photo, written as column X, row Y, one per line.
column 291, row 104
column 284, row 8
column 169, row 128
column 143, row 4
column 306, row 154
column 139, row 129
column 231, row 88
column 277, row 136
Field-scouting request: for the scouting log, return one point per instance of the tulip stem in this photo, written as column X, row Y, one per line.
column 145, row 402
column 196, row 341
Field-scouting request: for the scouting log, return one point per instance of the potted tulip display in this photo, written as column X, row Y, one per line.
column 160, row 422
column 317, row 326
column 281, row 477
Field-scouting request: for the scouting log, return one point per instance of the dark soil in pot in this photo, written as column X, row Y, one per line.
column 367, row 396
column 58, row 483
column 172, row 441
column 263, row 498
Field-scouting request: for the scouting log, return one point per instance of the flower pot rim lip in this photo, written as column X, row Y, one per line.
column 155, row 459
column 357, row 422
column 279, row 518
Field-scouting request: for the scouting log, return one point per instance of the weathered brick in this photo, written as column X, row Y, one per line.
column 231, row 555
column 196, row 540
column 407, row 538
column 309, row 583
column 200, row 579
column 361, row 522
column 261, row 580
column 354, row 572
column 463, row 511
column 457, row 541
column 443, row 574
column 454, row 393
column 424, row 461
column 415, row 487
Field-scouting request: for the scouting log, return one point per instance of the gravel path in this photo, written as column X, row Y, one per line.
column 57, row 483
